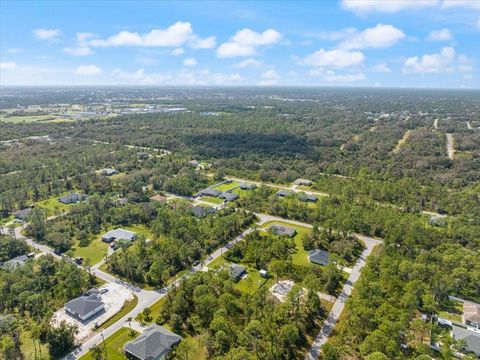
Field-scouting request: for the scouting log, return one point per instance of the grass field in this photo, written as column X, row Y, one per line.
column 128, row 306
column 32, row 118
column 114, row 345
column 52, row 205
column 211, row 199
column 28, row 350
column 453, row 311
column 300, row 257
column 252, row 282
column 97, row 248
column 226, row 187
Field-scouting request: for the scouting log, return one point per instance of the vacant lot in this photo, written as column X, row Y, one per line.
column 114, row 345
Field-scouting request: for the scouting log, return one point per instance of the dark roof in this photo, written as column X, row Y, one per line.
column 308, row 197
column 236, row 271
column 229, row 196
column 153, row 344
column 283, row 193
column 319, row 257
column 83, row 305
column 209, row 192
column 23, row 214
column 245, row 186
column 202, row 211
column 471, row 338
column 283, row 230
column 72, row 198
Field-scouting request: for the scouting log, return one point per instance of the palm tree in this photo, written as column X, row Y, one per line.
column 97, row 352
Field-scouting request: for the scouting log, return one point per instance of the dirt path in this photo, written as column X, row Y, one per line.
column 401, row 142
column 450, row 149
column 469, row 126
column 435, row 123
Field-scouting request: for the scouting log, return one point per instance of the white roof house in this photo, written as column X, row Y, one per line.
column 118, row 234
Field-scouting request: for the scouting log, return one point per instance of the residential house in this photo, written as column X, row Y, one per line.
column 72, row 198
column 155, row 343
column 118, row 234
column 209, row 192
column 283, row 230
column 303, row 182
column 471, row 339
column 264, row 274
column 471, row 314
column 15, row 263
column 319, row 257
column 228, row 196
column 237, row 271
column 283, row 193
column 193, row 163
column 109, row 172
column 308, row 197
column 246, row 186
column 85, row 307
column 200, row 211
column 22, row 214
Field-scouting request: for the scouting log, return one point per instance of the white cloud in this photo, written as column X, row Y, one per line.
column 46, row 34
column 10, row 65
column 336, row 58
column 386, row 6
column 177, row 52
column 184, row 77
column 190, row 62
column 207, row 43
column 440, row 35
column 250, row 62
column 331, row 76
column 446, row 61
column 381, row 68
column 467, row 4
column 269, row 77
column 88, row 70
column 380, row 36
column 246, row 41
column 78, row 51
column 175, row 35
column 14, row 50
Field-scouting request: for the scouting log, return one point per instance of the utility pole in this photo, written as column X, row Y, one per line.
column 104, row 345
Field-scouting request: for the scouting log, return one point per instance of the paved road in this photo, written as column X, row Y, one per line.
column 339, row 304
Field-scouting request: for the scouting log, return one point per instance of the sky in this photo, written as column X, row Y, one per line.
column 367, row 43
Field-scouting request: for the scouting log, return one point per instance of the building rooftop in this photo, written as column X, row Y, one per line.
column 283, row 230
column 304, row 182
column 236, row 271
column 308, row 197
column 118, row 234
column 283, row 193
column 471, row 338
column 471, row 312
column 159, row 198
column 246, row 186
column 229, row 196
column 83, row 305
column 202, row 211
column 154, row 343
column 209, row 192
column 72, row 198
column 23, row 213
column 18, row 261
column 319, row 257
column 109, row 171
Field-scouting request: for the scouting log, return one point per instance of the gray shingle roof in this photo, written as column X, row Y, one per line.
column 304, row 182
column 109, row 172
column 18, row 261
column 23, row 214
column 119, row 234
column 236, row 271
column 154, row 343
column 72, row 198
column 283, row 193
column 245, row 186
column 209, row 192
column 229, row 196
column 319, row 257
column 471, row 338
column 283, row 230
column 83, row 305
column 308, row 197
column 202, row 211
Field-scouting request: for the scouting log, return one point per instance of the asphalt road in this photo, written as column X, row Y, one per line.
column 339, row 304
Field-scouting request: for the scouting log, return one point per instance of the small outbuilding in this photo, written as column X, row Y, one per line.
column 264, row 274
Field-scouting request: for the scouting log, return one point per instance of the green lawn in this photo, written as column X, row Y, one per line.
column 211, row 199
column 218, row 263
column 251, row 283
column 452, row 311
column 128, row 306
column 300, row 257
column 226, row 187
column 97, row 248
column 53, row 206
column 32, row 118
column 114, row 345
column 28, row 350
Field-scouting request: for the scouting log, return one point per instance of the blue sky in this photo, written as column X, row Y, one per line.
column 406, row 43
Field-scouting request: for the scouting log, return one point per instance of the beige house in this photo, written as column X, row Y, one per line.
column 471, row 314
